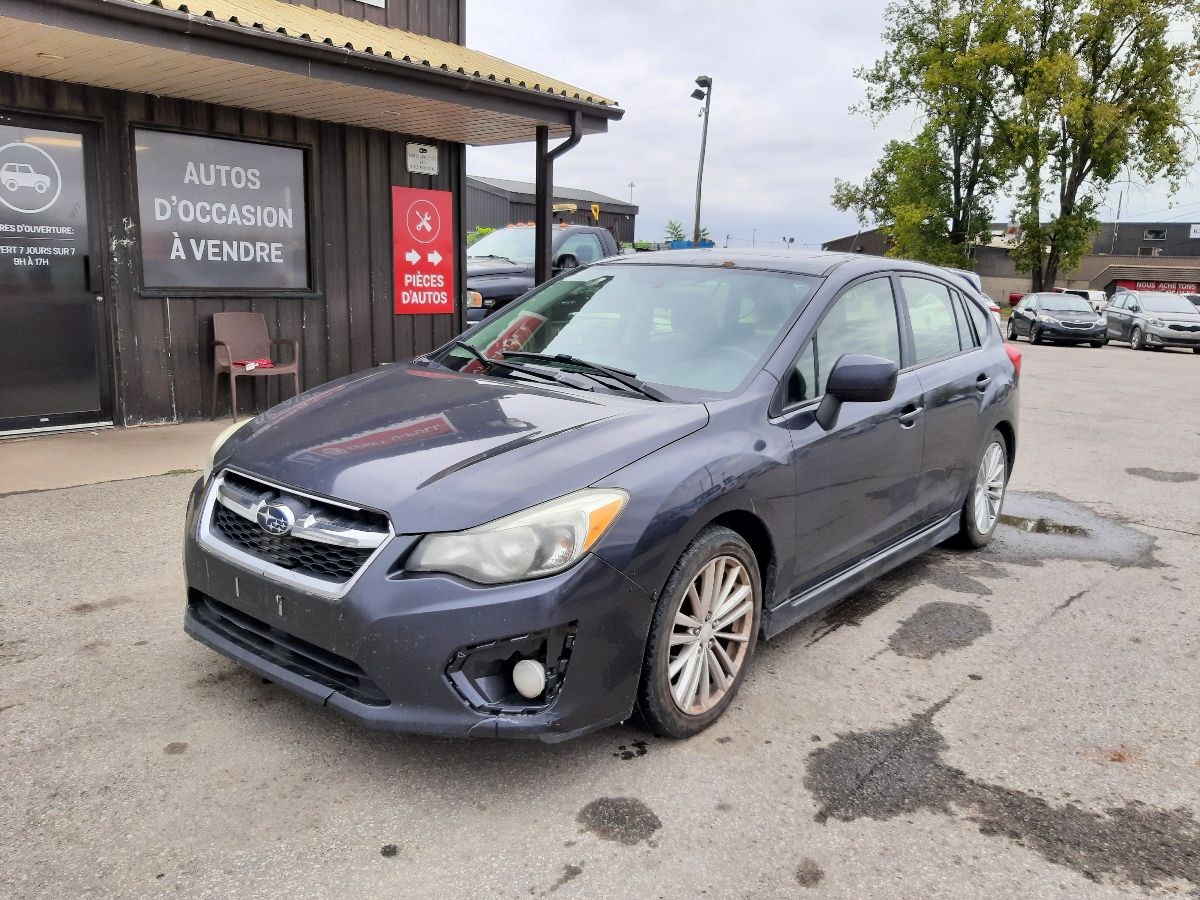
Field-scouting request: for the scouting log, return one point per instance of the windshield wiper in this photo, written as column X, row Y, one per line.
column 552, row 375
column 491, row 256
column 625, row 379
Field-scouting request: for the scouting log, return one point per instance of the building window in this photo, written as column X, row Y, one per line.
column 220, row 214
column 1155, row 234
column 1149, row 251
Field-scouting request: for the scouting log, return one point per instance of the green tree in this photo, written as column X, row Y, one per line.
column 675, row 231
column 704, row 234
column 1097, row 86
column 946, row 60
column 478, row 232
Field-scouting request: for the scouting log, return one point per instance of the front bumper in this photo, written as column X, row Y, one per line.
column 1168, row 337
column 1060, row 332
column 384, row 652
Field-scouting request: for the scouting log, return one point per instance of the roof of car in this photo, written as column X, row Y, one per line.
column 799, row 262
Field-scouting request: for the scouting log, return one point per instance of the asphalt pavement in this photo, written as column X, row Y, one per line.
column 1017, row 722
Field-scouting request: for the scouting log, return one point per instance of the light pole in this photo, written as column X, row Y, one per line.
column 703, row 92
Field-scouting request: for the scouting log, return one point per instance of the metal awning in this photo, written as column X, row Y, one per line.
column 272, row 56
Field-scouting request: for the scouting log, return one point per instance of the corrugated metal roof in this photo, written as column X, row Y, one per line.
column 560, row 193
column 321, row 27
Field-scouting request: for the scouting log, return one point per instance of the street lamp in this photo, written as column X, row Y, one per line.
column 702, row 92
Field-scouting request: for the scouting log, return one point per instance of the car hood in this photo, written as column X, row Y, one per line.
column 439, row 451
column 477, row 268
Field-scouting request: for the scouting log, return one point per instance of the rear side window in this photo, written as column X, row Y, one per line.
column 935, row 326
column 861, row 321
column 980, row 318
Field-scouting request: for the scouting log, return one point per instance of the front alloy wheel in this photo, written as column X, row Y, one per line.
column 1137, row 340
column 981, row 511
column 702, row 636
column 1012, row 330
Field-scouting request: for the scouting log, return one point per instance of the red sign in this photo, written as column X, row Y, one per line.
column 423, row 251
column 1165, row 287
column 512, row 338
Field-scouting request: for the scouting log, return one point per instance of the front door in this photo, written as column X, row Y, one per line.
column 856, row 484
column 53, row 364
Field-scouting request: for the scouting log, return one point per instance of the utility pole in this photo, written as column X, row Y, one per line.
column 703, row 92
column 631, row 187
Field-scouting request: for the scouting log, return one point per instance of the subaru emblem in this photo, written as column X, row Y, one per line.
column 276, row 519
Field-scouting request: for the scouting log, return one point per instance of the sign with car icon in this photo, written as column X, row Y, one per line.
column 29, row 178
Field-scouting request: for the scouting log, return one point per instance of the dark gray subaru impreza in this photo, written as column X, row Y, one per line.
column 603, row 496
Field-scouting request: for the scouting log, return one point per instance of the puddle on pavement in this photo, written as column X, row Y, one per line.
column 625, row 820
column 939, row 627
column 1037, row 527
column 891, row 772
column 1159, row 475
column 1042, row 526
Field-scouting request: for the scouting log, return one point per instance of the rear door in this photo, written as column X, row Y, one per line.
column 856, row 485
column 954, row 378
column 1116, row 318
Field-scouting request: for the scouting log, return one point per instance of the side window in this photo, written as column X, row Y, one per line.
column 934, row 324
column 966, row 331
column 981, row 318
column 861, row 320
column 584, row 246
column 1118, row 301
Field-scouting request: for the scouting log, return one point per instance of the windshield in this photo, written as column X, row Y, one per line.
column 1166, row 303
column 702, row 330
column 514, row 244
column 1064, row 303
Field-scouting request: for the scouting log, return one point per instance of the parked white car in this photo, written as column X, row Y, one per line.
column 1098, row 299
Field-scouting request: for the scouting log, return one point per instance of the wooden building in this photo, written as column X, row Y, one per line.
column 496, row 202
column 162, row 161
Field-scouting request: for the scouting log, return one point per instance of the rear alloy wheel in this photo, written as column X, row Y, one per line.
column 1012, row 330
column 981, row 511
column 1137, row 340
column 703, row 635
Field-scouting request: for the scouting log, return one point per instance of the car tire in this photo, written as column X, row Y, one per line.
column 1137, row 340
column 1035, row 335
column 981, row 510
column 1098, row 344
column 1196, row 350
column 676, row 695
column 1012, row 331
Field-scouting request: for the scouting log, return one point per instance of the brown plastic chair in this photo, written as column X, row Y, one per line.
column 241, row 336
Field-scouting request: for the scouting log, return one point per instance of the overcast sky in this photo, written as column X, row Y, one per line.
column 781, row 129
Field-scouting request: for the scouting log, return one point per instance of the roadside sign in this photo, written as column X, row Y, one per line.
column 596, row 211
column 422, row 158
column 422, row 251
column 1194, row 232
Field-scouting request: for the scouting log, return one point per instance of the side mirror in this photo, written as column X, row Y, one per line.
column 856, row 379
column 1133, row 307
column 565, row 261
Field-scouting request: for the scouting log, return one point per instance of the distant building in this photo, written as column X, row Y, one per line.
column 496, row 202
column 1161, row 256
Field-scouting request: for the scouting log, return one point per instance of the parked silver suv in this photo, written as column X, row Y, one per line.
column 1150, row 321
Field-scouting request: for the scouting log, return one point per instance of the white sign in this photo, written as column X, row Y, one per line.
column 382, row 4
column 1195, row 232
column 422, row 159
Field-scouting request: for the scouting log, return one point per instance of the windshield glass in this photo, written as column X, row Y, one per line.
column 1166, row 303
column 1064, row 303
column 515, row 244
column 698, row 329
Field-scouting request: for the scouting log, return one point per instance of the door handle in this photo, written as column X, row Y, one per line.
column 982, row 382
column 908, row 415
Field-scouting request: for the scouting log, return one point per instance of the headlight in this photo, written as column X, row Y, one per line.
column 474, row 299
column 219, row 443
column 1048, row 319
column 1156, row 323
column 542, row 540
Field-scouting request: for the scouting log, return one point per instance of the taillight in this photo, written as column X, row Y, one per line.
column 1015, row 355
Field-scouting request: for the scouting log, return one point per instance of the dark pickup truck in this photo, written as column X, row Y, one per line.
column 500, row 264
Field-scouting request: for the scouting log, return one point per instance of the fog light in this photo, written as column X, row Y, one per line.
column 529, row 676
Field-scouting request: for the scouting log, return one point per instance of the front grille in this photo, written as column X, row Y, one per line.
column 287, row 651
column 1087, row 325
column 1189, row 328
column 297, row 554
column 329, row 542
